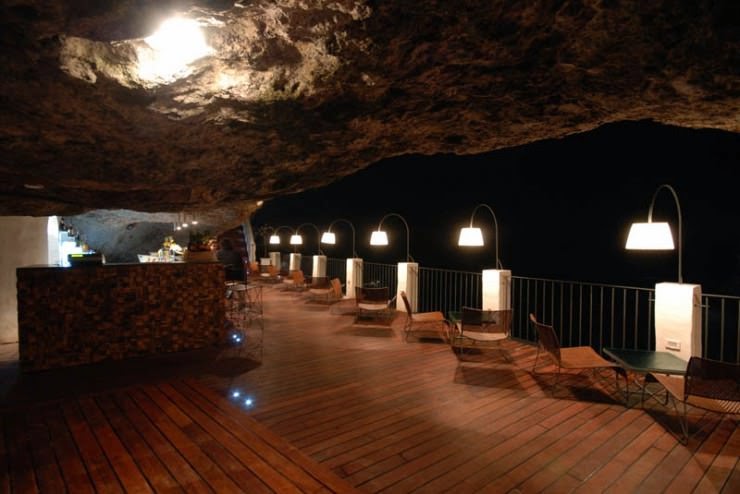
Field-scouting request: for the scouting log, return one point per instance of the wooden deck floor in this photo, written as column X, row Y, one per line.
column 382, row 414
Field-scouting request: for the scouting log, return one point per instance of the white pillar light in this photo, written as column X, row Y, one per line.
column 354, row 276
column 496, row 293
column 678, row 319
column 408, row 281
column 294, row 262
column 275, row 259
column 319, row 267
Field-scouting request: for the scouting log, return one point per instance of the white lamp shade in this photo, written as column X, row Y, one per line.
column 379, row 237
column 328, row 238
column 296, row 240
column 650, row 236
column 274, row 239
column 470, row 237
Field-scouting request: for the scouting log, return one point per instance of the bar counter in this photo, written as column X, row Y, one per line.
column 81, row 315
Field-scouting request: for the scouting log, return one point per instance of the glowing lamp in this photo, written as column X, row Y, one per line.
column 650, row 236
column 379, row 237
column 470, row 237
column 657, row 236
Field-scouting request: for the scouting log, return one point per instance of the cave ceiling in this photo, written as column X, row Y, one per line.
column 294, row 94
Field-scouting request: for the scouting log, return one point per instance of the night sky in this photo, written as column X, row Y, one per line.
column 563, row 207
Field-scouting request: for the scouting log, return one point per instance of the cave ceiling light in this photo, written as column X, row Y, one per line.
column 166, row 54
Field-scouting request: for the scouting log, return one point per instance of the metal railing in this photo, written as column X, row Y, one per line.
column 337, row 268
column 594, row 314
column 591, row 314
column 721, row 327
column 448, row 290
column 377, row 274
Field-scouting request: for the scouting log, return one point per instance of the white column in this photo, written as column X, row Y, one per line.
column 319, row 267
column 294, row 264
column 408, row 281
column 678, row 319
column 275, row 259
column 354, row 276
column 25, row 243
column 496, row 292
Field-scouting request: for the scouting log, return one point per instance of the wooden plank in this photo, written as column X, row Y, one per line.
column 4, row 460
column 331, row 436
column 517, row 424
column 724, row 471
column 263, row 468
column 577, row 447
column 146, row 459
column 188, row 447
column 61, row 441
column 126, row 469
column 499, row 449
column 220, row 407
column 485, row 445
column 611, row 472
column 100, row 471
column 48, row 474
column 694, row 470
column 20, row 465
column 177, row 464
column 384, row 414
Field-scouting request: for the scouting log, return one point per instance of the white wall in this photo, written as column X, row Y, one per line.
column 24, row 242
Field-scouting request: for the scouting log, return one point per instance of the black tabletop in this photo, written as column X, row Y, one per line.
column 647, row 361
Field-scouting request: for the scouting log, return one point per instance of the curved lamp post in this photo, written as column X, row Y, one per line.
column 263, row 232
column 678, row 317
column 380, row 237
column 297, row 239
column 496, row 283
column 354, row 266
column 275, row 237
column 275, row 240
column 328, row 237
column 473, row 237
column 319, row 259
column 657, row 236
column 408, row 272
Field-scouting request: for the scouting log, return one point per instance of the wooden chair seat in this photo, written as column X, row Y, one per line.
column 580, row 357
column 480, row 329
column 427, row 324
column 372, row 303
column 328, row 294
